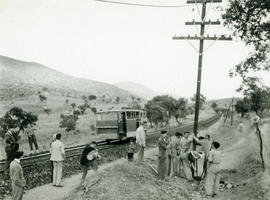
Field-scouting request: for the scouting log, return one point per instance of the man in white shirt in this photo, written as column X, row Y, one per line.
column 140, row 140
column 57, row 157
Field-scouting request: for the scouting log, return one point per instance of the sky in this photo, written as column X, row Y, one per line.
column 116, row 43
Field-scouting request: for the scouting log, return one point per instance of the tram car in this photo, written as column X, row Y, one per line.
column 119, row 124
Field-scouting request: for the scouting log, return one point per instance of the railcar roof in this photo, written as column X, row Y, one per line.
column 120, row 110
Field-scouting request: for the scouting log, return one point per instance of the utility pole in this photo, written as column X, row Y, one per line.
column 201, row 38
column 232, row 111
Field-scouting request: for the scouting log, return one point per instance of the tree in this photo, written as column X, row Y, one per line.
column 154, row 113
column 17, row 117
column 214, row 106
column 190, row 110
column 73, row 105
column 181, row 110
column 42, row 98
column 92, row 97
column 242, row 107
column 161, row 105
column 117, row 99
column 47, row 110
column 256, row 94
column 82, row 108
column 202, row 100
column 84, row 98
column 94, row 110
column 68, row 121
column 250, row 22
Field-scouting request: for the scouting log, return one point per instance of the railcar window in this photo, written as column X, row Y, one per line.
column 128, row 115
column 107, row 117
column 113, row 116
column 131, row 115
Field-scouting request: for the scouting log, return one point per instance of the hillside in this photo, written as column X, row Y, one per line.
column 138, row 89
column 19, row 78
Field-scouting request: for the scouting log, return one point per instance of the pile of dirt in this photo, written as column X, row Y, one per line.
column 129, row 181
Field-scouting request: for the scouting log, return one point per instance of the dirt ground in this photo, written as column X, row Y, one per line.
column 242, row 176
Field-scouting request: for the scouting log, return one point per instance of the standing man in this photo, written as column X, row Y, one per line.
column 186, row 144
column 11, row 145
column 140, row 140
column 213, row 175
column 16, row 175
column 163, row 143
column 206, row 147
column 30, row 132
column 174, row 152
column 57, row 156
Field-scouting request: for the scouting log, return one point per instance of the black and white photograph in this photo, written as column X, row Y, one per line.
column 134, row 99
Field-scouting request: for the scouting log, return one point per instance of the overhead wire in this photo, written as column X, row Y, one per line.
column 210, row 45
column 192, row 46
column 142, row 5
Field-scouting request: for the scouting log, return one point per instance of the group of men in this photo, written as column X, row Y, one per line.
column 176, row 157
column 14, row 168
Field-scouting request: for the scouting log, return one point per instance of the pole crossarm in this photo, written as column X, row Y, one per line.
column 209, row 22
column 204, row 1
column 222, row 37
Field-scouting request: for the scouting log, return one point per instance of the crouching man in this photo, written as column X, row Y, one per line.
column 213, row 175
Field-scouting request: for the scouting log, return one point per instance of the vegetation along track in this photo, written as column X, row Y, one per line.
column 38, row 169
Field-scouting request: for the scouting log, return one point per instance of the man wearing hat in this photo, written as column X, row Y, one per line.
column 16, row 175
column 140, row 140
column 163, row 143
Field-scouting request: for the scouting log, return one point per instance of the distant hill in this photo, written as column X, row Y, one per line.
column 19, row 78
column 138, row 89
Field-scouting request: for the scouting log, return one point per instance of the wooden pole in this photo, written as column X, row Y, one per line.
column 232, row 111
column 199, row 75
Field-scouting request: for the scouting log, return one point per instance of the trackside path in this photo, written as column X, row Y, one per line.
column 48, row 192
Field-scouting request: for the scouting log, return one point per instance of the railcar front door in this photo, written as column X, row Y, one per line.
column 122, row 125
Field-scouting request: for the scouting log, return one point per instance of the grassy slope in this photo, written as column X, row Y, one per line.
column 48, row 125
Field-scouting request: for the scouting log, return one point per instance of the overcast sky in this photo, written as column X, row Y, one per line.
column 114, row 43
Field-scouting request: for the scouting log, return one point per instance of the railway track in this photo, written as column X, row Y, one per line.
column 75, row 151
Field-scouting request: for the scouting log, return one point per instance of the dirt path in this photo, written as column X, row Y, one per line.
column 48, row 192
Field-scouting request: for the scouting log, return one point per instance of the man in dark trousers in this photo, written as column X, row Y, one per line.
column 89, row 159
column 163, row 142
column 11, row 145
column 16, row 175
column 32, row 140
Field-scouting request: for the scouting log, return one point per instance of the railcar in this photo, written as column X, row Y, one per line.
column 119, row 124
